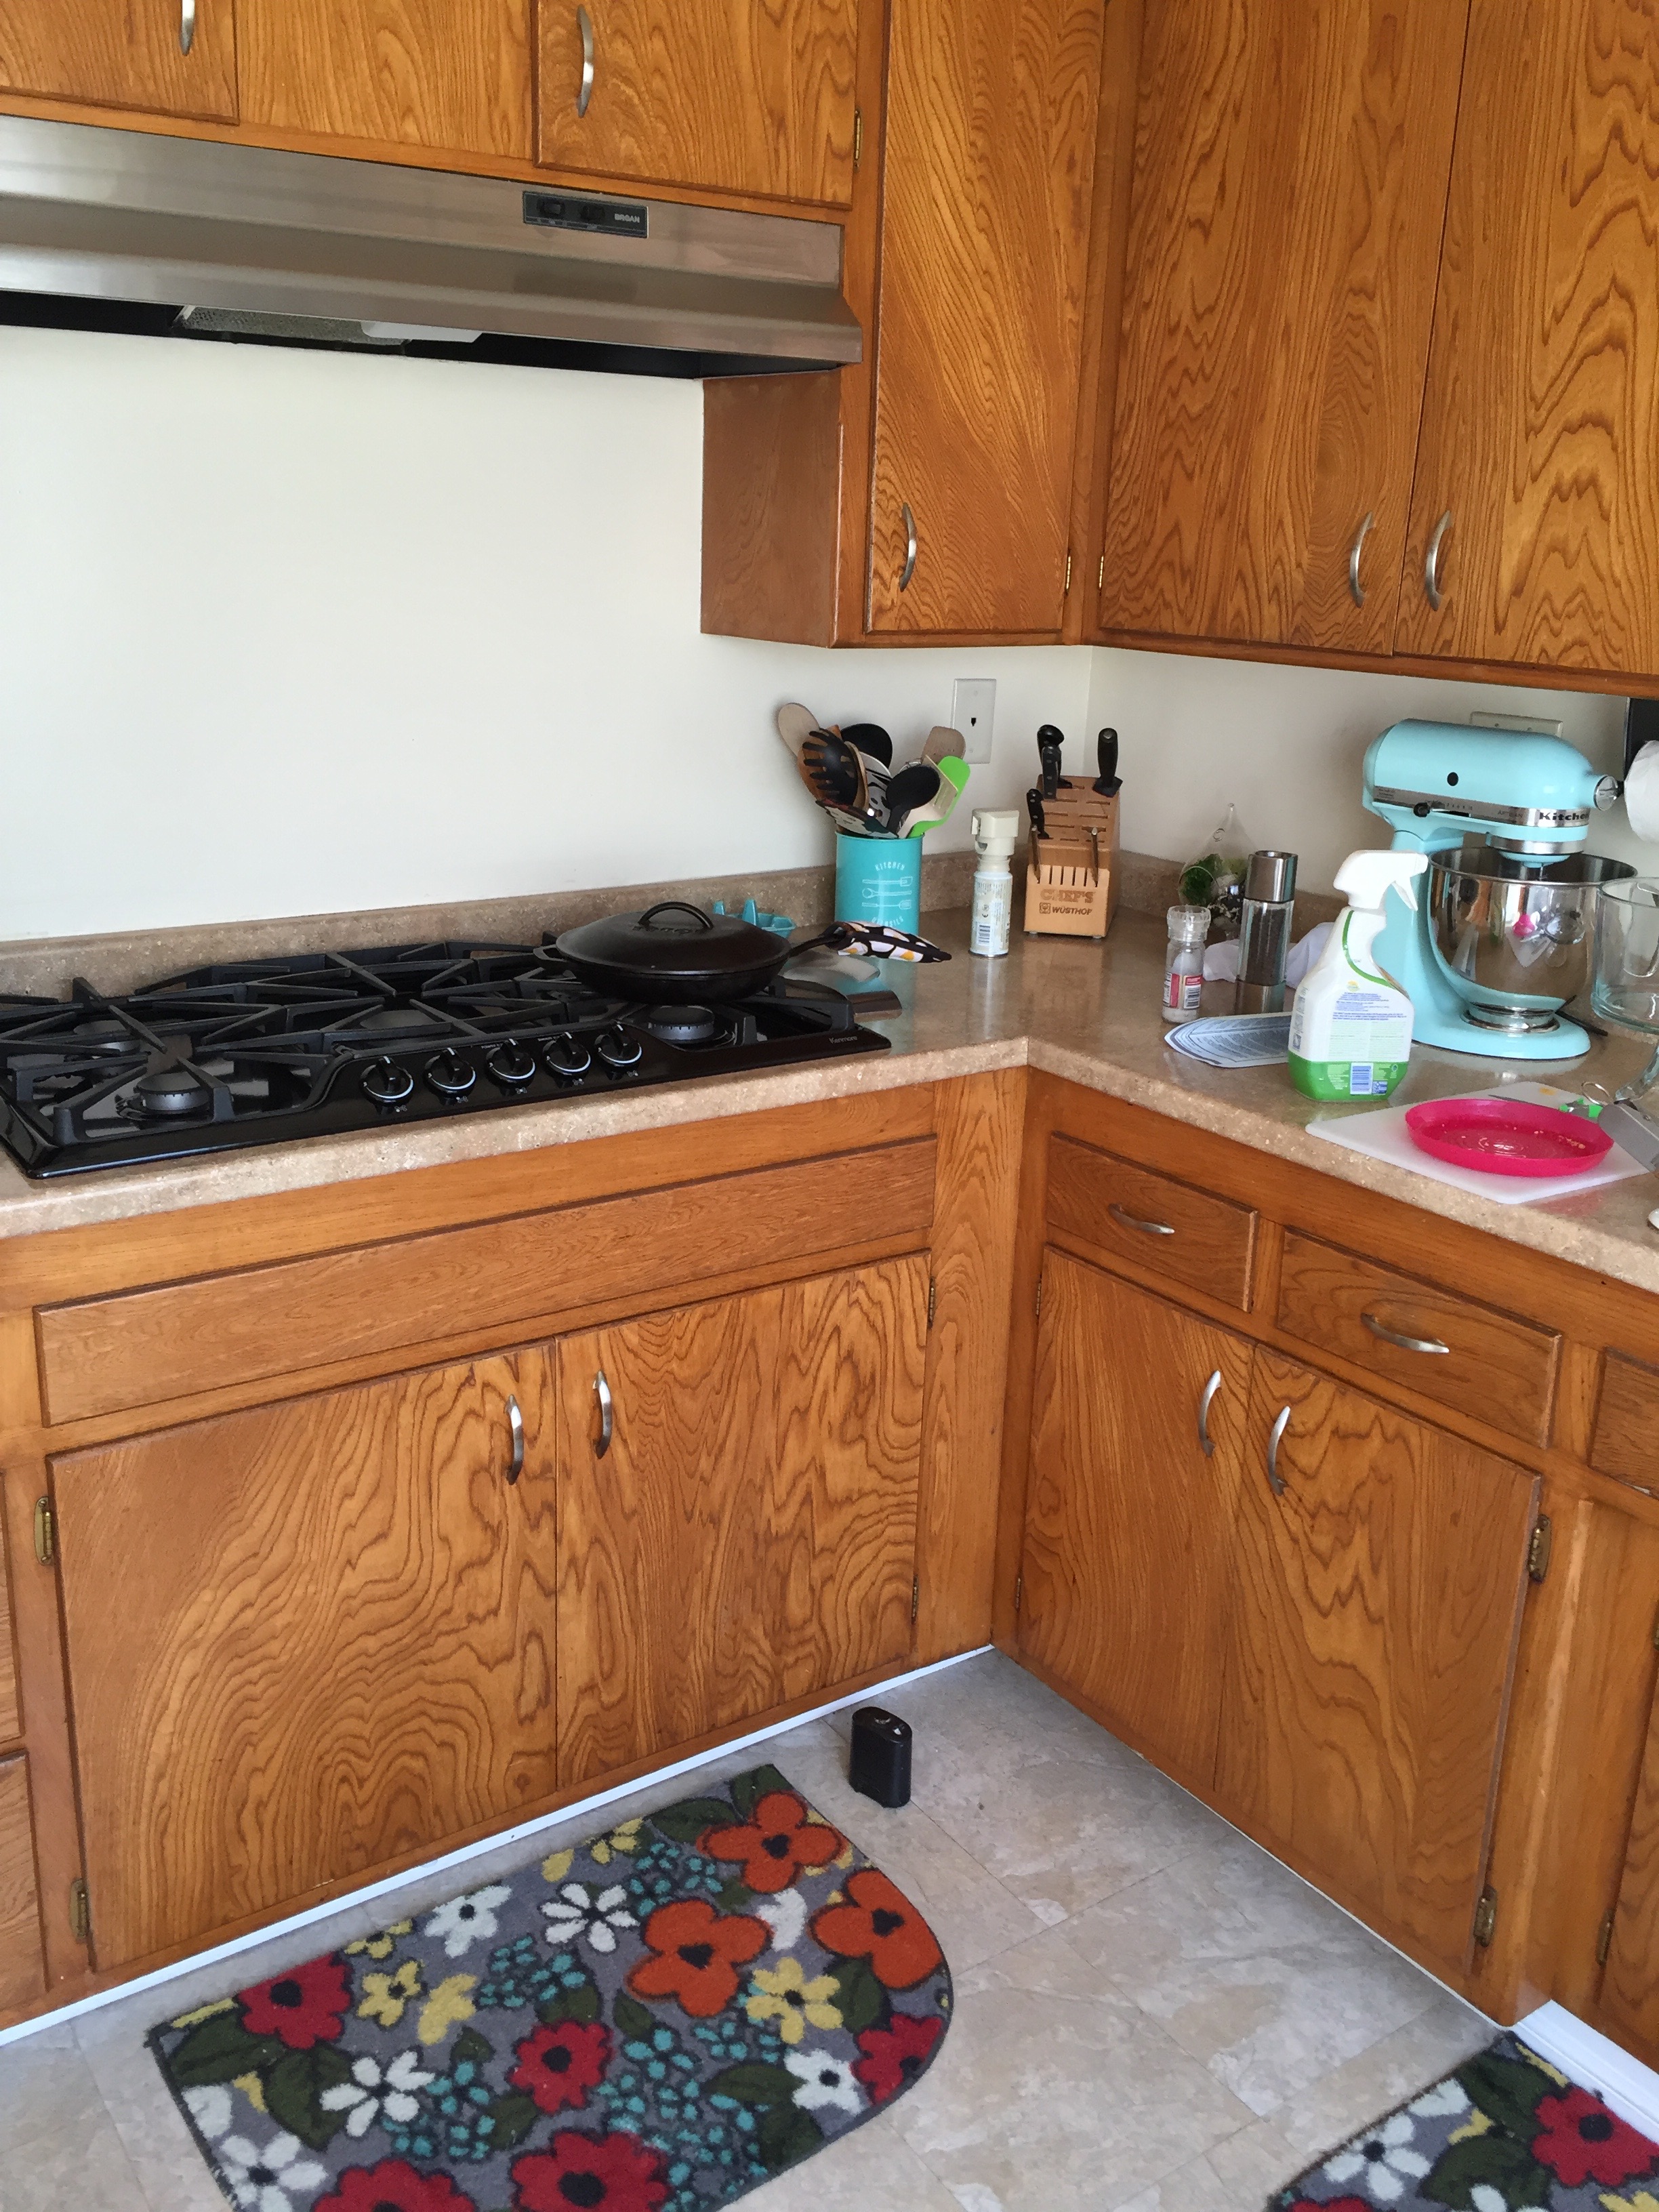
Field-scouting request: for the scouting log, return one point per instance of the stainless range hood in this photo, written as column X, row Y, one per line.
column 122, row 229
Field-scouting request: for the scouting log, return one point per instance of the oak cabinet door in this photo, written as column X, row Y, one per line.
column 306, row 1640
column 452, row 75
column 990, row 151
column 22, row 1976
column 1128, row 1535
column 725, row 95
column 123, row 54
column 747, row 1533
column 1375, row 1611
column 1535, row 473
column 1290, row 167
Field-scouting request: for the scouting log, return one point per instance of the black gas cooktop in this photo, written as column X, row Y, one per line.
column 264, row 1051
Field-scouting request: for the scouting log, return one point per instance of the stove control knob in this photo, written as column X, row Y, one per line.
column 511, row 1064
column 449, row 1075
column 387, row 1083
column 569, row 1057
column 619, row 1051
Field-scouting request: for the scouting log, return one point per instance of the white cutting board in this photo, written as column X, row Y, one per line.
column 1384, row 1136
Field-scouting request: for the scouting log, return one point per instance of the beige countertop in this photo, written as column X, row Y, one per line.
column 1071, row 1008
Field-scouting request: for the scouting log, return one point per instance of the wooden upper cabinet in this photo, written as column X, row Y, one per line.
column 1129, row 1521
column 986, row 179
column 124, row 53
column 1540, row 421
column 1291, row 166
column 447, row 76
column 332, row 1647
column 1376, row 1613
column 725, row 95
column 746, row 1536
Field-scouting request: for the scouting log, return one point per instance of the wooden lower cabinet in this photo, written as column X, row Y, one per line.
column 737, row 1516
column 1630, row 1985
column 1128, row 1557
column 22, row 1978
column 306, row 1640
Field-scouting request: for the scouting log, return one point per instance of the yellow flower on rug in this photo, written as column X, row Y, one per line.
column 385, row 1996
column 449, row 2003
column 785, row 1995
column 624, row 1838
column 381, row 1946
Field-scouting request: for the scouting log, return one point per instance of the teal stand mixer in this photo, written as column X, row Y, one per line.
column 1504, row 931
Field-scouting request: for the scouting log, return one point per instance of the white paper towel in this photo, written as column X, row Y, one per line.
column 1642, row 793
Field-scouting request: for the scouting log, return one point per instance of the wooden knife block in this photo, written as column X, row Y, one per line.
column 1070, row 875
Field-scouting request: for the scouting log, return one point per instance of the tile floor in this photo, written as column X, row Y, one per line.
column 1152, row 2015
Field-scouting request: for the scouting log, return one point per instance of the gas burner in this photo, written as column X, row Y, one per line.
column 683, row 1024
column 171, row 1089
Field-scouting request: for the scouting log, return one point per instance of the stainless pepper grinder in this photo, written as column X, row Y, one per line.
column 1264, row 933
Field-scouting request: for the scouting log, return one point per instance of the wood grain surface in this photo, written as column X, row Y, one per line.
column 771, row 513
column 151, row 1345
column 431, row 73
column 1128, row 1556
column 1374, row 1618
column 750, row 1536
column 1630, row 1986
column 1290, row 167
column 740, row 95
column 1501, row 1368
column 1541, row 416
column 121, row 53
column 1627, row 1422
column 11, row 1716
column 987, row 185
column 304, row 1640
column 20, row 1975
column 1212, row 1241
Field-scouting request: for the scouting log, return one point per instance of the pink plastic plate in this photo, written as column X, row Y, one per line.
column 1507, row 1136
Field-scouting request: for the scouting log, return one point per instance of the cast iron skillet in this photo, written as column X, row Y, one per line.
column 674, row 954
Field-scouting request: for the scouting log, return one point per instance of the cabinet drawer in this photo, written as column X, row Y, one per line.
column 101, row 1354
column 1627, row 1422
column 23, row 1977
column 1150, row 1218
column 1488, row 1364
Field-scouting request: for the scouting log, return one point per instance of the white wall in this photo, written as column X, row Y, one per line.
column 287, row 633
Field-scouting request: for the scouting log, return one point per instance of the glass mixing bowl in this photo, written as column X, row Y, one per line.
column 1516, row 936
column 1626, row 988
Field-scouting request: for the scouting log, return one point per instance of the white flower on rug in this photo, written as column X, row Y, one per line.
column 467, row 1920
column 784, row 1914
column 376, row 2092
column 577, row 1916
column 826, row 2083
column 209, row 2107
column 1383, row 2160
column 1443, row 2102
column 259, row 2181
column 1485, row 2199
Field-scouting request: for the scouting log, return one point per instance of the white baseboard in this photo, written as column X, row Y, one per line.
column 397, row 1881
column 1593, row 2061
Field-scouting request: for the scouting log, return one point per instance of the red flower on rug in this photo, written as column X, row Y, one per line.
column 1582, row 2141
column 698, row 1952
column 559, row 2065
column 392, row 2186
column 773, row 1847
column 895, row 2055
column 579, row 2172
column 882, row 1926
column 305, row 2006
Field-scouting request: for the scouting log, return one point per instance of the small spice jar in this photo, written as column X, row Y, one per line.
column 1184, row 962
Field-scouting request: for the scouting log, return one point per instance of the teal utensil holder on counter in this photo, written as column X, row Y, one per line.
column 879, row 879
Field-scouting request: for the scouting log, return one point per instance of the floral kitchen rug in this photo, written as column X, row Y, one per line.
column 656, row 2022
column 1505, row 2133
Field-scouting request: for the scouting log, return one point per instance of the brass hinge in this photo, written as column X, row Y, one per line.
column 1100, row 574
column 1019, row 1590
column 1069, row 572
column 46, row 1532
column 932, row 1299
column 1538, row 1551
column 915, row 1595
column 1604, row 1941
column 858, row 136
column 1039, row 1298
column 1485, row 1916
column 80, row 1911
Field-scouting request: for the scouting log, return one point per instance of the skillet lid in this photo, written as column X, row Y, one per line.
column 672, row 939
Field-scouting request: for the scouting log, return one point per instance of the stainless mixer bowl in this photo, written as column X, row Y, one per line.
column 1516, row 939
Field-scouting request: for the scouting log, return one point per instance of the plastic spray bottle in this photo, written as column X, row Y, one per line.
column 995, row 832
column 1351, row 1027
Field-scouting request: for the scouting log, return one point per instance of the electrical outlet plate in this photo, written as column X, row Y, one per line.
column 972, row 711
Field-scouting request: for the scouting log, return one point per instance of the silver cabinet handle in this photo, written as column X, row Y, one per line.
column 1204, row 1405
column 515, row 1425
column 1147, row 1228
column 1404, row 1343
column 1355, row 587
column 585, row 25
column 186, row 25
column 1275, row 1436
column 1432, row 561
column 909, row 569
column 607, row 1415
